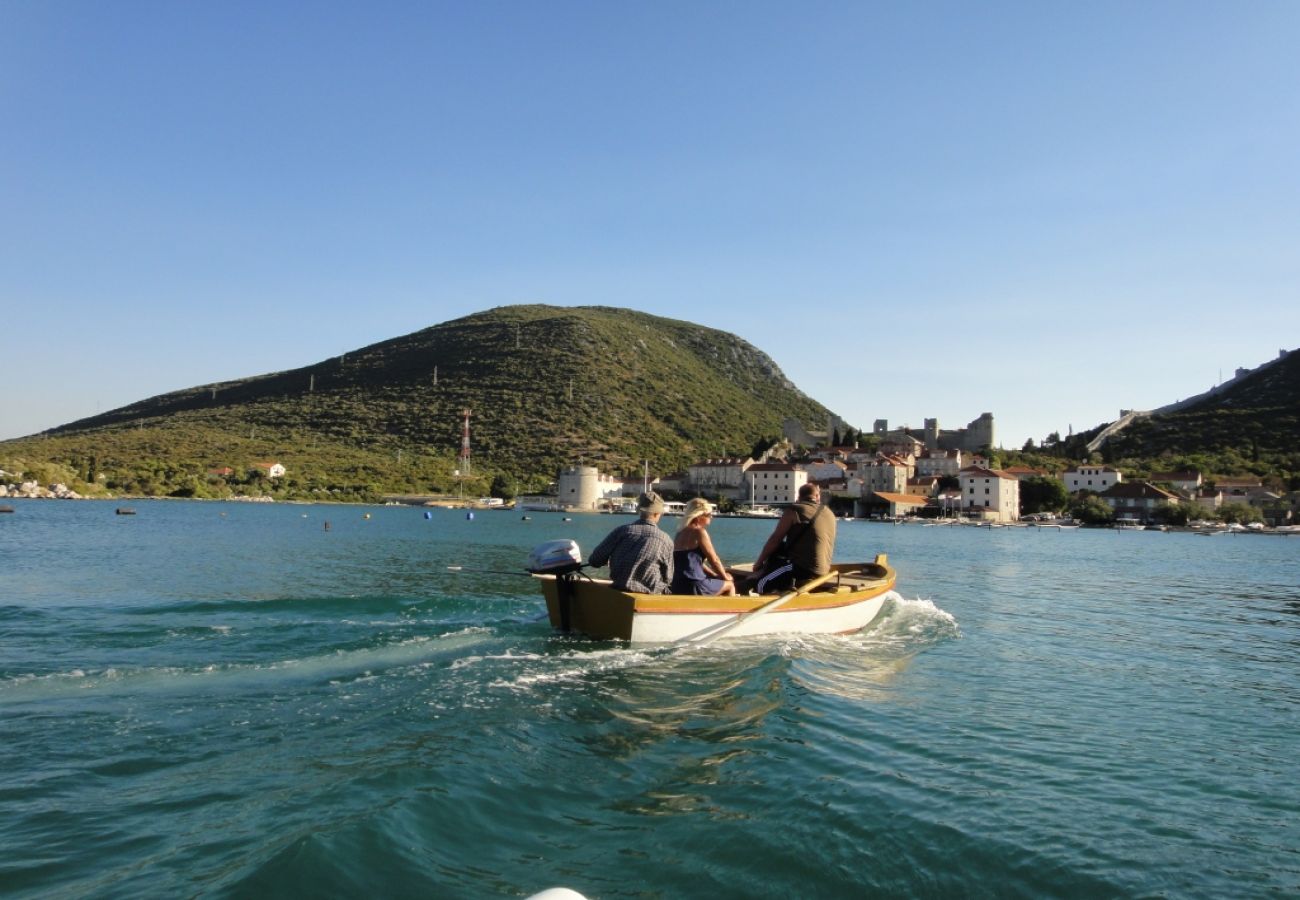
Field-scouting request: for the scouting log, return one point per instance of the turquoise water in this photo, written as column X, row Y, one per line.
column 214, row 699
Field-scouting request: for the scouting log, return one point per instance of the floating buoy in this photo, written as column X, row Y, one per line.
column 366, row 516
column 469, row 515
column 525, row 518
column 566, row 519
column 327, row 524
column 428, row 515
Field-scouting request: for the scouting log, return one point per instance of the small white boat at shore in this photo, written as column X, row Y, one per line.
column 758, row 512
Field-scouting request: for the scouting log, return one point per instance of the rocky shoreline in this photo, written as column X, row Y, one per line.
column 32, row 490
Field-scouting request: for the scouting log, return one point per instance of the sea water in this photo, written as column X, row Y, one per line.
column 239, row 700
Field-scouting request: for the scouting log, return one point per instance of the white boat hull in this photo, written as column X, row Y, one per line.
column 848, row 600
column 650, row 628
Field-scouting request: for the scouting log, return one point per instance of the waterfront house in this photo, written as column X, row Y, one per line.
column 923, row 485
column 1240, row 490
column 1091, row 478
column 775, row 483
column 269, row 469
column 883, row 503
column 1136, row 499
column 1186, row 483
column 221, row 472
column 1209, row 498
column 990, row 493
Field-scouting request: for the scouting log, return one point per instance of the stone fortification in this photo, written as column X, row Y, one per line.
column 977, row 435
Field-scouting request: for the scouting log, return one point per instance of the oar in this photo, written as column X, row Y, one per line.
column 488, row 571
column 525, row 574
column 713, row 632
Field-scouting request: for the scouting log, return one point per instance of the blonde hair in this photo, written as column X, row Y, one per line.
column 694, row 509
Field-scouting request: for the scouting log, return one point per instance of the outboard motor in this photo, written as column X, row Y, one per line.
column 562, row 559
column 555, row 558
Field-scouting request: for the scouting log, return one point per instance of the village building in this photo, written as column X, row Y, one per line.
column 1209, row 498
column 990, row 494
column 1186, row 483
column 269, row 469
column 1023, row 472
column 886, row 474
column 720, row 477
column 923, row 485
column 776, row 484
column 826, row 471
column 895, row 506
column 1240, row 489
column 1136, row 500
column 1091, row 478
column 939, row 462
column 675, row 481
column 903, row 446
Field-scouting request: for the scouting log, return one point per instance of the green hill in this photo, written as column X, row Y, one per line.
column 546, row 386
column 1252, row 425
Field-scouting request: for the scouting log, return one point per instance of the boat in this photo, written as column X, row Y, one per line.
column 849, row 598
column 758, row 512
column 1125, row 524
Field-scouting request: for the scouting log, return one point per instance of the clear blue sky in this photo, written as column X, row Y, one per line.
column 1047, row 211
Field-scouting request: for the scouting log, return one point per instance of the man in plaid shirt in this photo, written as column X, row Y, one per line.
column 639, row 554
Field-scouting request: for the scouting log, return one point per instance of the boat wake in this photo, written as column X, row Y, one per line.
column 867, row 665
column 332, row 667
column 908, row 626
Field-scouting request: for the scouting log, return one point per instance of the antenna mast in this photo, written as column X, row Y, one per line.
column 464, row 444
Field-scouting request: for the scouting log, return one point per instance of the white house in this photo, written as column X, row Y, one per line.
column 269, row 469
column 775, row 483
column 1091, row 478
column 990, row 493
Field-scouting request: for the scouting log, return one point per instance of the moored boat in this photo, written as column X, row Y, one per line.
column 758, row 512
column 848, row 600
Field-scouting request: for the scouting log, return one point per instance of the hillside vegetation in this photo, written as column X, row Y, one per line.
column 547, row 386
column 1251, row 428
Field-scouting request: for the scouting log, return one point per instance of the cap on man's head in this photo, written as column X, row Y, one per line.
column 650, row 502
